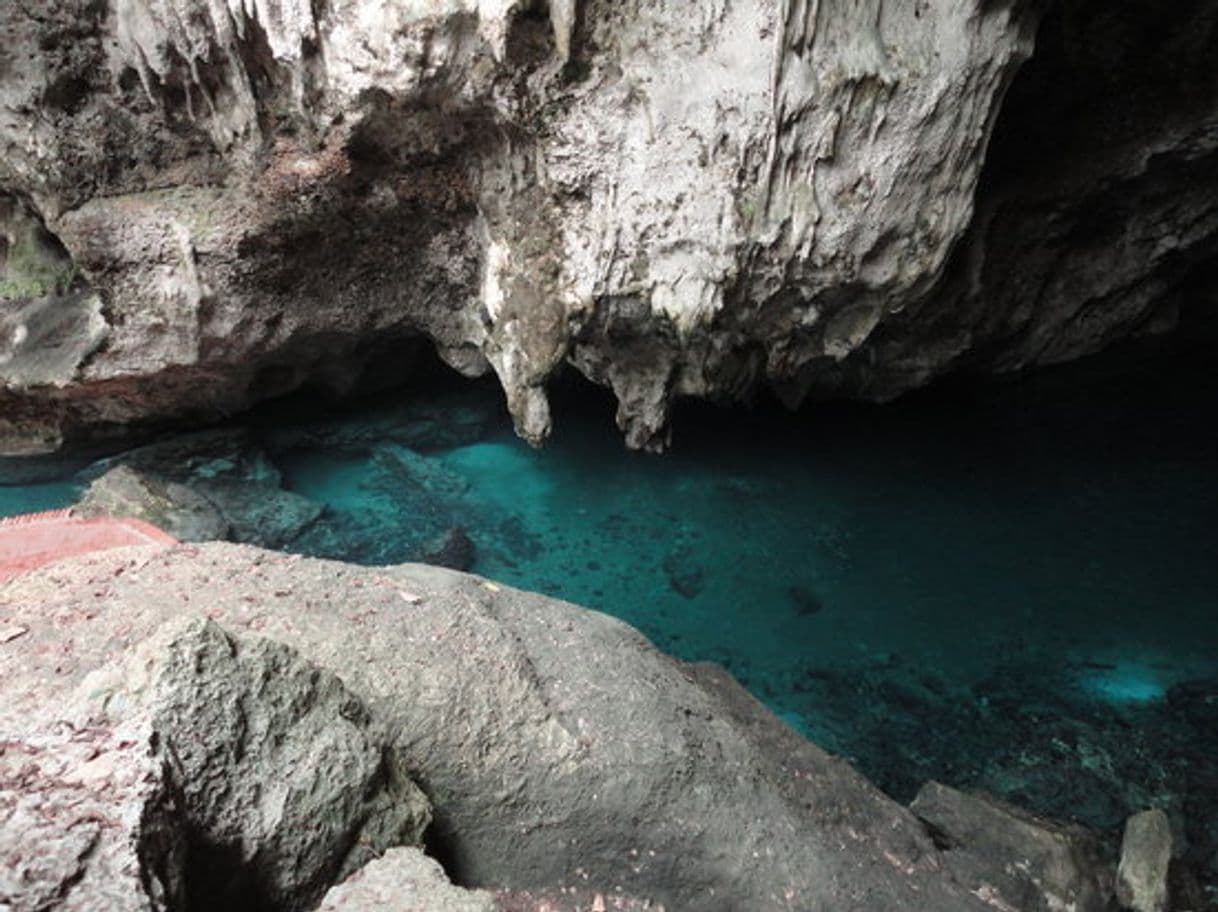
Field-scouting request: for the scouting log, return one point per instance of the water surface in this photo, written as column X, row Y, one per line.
column 1010, row 586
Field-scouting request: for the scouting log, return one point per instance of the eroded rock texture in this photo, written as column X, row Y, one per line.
column 201, row 771
column 561, row 754
column 677, row 197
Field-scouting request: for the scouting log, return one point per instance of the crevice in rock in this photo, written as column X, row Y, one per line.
column 530, row 36
column 442, row 844
column 275, row 781
column 216, row 877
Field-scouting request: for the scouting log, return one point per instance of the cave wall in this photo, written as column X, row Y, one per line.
column 676, row 197
column 1097, row 211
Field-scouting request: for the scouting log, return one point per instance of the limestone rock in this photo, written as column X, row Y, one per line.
column 282, row 768
column 203, row 769
column 1095, row 219
column 1012, row 859
column 261, row 193
column 70, row 809
column 49, row 324
column 1146, row 851
column 559, row 750
column 170, row 506
column 676, row 197
column 211, row 485
column 259, row 513
column 403, row 879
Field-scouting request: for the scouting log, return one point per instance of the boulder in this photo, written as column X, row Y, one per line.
column 171, row 506
column 210, row 485
column 1146, row 851
column 1015, row 861
column 210, row 770
column 405, row 879
column 229, row 454
column 559, row 750
column 259, row 513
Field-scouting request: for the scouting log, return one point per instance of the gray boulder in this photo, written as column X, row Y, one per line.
column 558, row 748
column 204, row 770
column 1146, row 851
column 169, row 505
column 1015, row 861
column 208, row 486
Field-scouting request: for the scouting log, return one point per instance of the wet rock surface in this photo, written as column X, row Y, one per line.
column 556, row 747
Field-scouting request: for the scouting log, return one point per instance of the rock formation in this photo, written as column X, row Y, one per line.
column 1055, row 866
column 184, row 728
column 208, row 202
column 201, row 770
column 1146, row 851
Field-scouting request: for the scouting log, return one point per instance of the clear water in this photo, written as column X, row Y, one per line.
column 1013, row 586
column 34, row 498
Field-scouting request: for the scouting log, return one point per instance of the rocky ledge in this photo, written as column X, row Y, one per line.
column 208, row 202
column 220, row 725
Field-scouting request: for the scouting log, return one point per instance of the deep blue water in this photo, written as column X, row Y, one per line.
column 1009, row 585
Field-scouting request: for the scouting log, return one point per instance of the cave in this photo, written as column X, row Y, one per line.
column 856, row 354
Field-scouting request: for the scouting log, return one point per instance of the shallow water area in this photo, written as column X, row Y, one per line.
column 1009, row 586
column 35, row 498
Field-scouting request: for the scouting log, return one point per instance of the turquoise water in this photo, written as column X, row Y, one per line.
column 1011, row 586
column 34, row 498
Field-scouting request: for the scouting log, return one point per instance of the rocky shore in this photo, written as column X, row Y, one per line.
column 217, row 724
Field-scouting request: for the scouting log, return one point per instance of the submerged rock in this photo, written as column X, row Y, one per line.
column 228, row 454
column 685, row 573
column 169, row 505
column 805, row 600
column 259, row 513
column 397, row 505
column 557, row 747
column 454, row 550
